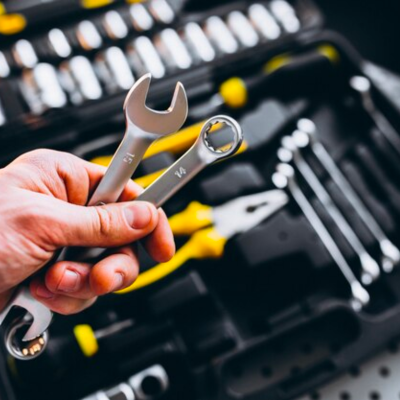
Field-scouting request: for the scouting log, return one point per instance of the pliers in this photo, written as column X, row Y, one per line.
column 210, row 229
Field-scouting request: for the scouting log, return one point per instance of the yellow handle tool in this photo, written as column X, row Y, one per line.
column 206, row 243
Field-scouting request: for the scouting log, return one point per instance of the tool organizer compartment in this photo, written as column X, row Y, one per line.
column 271, row 318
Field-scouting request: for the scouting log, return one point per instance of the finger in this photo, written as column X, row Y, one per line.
column 73, row 279
column 160, row 244
column 111, row 225
column 114, row 272
column 66, row 176
column 69, row 279
column 60, row 304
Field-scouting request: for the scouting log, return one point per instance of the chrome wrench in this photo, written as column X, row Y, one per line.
column 143, row 127
column 285, row 179
column 175, row 177
column 369, row 266
column 362, row 85
column 307, row 136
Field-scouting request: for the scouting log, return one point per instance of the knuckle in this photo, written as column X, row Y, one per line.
column 104, row 221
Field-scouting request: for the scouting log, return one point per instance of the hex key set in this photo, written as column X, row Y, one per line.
column 288, row 248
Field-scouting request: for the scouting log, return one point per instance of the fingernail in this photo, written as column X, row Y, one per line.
column 43, row 292
column 138, row 215
column 118, row 280
column 69, row 281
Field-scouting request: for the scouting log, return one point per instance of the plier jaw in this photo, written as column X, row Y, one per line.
column 242, row 214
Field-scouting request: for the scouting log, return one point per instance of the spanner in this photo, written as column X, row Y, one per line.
column 285, row 178
column 143, row 126
column 369, row 266
column 362, row 85
column 307, row 136
column 175, row 177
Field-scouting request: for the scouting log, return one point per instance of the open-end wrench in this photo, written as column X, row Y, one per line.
column 143, row 126
column 362, row 85
column 175, row 177
column 285, row 179
column 307, row 136
column 369, row 266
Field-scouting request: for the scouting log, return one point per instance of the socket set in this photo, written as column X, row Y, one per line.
column 287, row 268
column 78, row 71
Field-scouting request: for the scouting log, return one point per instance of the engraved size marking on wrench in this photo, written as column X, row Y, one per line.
column 181, row 172
column 129, row 158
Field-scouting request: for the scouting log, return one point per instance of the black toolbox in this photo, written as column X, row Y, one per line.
column 271, row 319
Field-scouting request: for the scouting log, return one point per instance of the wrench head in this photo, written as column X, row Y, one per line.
column 41, row 315
column 153, row 121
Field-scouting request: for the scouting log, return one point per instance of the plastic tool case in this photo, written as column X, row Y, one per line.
column 271, row 319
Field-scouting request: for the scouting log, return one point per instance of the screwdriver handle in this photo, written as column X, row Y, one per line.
column 207, row 243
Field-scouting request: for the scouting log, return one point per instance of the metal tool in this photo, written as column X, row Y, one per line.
column 198, row 42
column 24, row 54
column 141, row 19
column 144, row 125
column 369, row 266
column 145, row 58
column 285, row 178
column 59, row 43
column 264, row 22
column 286, row 15
column 114, row 70
column 77, row 77
column 220, row 35
column 192, row 162
column 172, row 49
column 88, row 36
column 242, row 29
column 362, row 85
column 307, row 136
column 115, row 25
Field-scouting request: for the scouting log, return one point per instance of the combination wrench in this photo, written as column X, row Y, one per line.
column 305, row 136
column 362, row 86
column 285, row 178
column 369, row 266
column 200, row 155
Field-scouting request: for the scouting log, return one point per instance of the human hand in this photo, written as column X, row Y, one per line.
column 42, row 209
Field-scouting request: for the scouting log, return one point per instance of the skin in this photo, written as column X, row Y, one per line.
column 42, row 209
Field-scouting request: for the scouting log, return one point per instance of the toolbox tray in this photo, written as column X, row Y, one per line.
column 271, row 320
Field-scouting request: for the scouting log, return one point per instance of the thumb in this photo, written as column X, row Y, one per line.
column 104, row 226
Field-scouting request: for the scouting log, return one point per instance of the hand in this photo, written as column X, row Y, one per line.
column 42, row 209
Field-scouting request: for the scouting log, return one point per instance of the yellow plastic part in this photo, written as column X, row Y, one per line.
column 134, row 1
column 196, row 216
column 330, row 53
column 234, row 92
column 86, row 339
column 2, row 8
column 95, row 3
column 207, row 243
column 276, row 63
column 147, row 180
column 10, row 24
